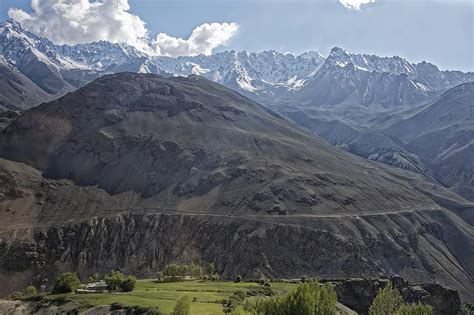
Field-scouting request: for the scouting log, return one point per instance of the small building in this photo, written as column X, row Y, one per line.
column 94, row 287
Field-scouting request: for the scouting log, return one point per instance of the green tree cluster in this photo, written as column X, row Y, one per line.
column 183, row 306
column 67, row 282
column 415, row 309
column 118, row 281
column 309, row 298
column 191, row 270
column 389, row 302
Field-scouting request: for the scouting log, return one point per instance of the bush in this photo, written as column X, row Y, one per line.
column 238, row 278
column 30, row 291
column 128, row 284
column 415, row 309
column 114, row 280
column 240, row 295
column 160, row 276
column 387, row 301
column 66, row 283
column 183, row 306
column 309, row 298
column 92, row 279
column 215, row 277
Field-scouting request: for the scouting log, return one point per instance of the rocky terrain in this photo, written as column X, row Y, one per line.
column 135, row 171
column 442, row 135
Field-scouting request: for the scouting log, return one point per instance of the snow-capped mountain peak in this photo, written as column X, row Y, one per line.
column 267, row 76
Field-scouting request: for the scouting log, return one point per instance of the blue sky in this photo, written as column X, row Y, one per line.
column 437, row 31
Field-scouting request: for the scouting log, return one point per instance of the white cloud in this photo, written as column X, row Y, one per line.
column 83, row 21
column 203, row 40
column 355, row 4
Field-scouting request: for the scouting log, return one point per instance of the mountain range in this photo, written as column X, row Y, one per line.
column 354, row 101
column 34, row 70
column 135, row 171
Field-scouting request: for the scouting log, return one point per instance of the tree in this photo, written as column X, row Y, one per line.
column 30, row 291
column 387, row 301
column 195, row 270
column 415, row 309
column 128, row 284
column 183, row 270
column 183, row 306
column 210, row 269
column 309, row 298
column 171, row 270
column 66, row 283
column 114, row 280
column 238, row 278
column 92, row 278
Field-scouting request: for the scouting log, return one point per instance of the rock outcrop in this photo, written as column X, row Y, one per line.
column 358, row 294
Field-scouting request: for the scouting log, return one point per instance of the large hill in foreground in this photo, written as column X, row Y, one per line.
column 134, row 171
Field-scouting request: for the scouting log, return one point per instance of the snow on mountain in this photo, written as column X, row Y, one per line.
column 268, row 76
column 378, row 83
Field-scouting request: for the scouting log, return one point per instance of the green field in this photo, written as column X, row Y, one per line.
column 206, row 295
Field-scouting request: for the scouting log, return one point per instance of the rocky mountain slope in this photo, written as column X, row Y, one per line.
column 442, row 135
column 134, row 171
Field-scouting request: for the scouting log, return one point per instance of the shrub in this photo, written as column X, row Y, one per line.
column 66, row 283
column 30, row 291
column 114, row 280
column 160, row 276
column 128, row 284
column 309, row 298
column 238, row 278
column 415, row 309
column 92, row 279
column 387, row 301
column 183, row 306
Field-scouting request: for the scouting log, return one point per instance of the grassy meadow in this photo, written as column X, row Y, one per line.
column 206, row 295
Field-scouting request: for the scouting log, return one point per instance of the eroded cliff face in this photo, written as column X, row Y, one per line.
column 419, row 246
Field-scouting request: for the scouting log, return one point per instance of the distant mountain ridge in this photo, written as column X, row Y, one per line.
column 36, row 70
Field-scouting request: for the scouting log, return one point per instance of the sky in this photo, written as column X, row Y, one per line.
column 437, row 31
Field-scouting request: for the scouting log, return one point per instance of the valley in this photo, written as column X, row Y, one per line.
column 274, row 168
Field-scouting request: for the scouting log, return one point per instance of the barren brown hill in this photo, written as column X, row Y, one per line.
column 134, row 171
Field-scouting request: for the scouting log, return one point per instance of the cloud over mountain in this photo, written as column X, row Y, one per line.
column 74, row 22
column 203, row 40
